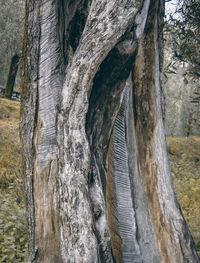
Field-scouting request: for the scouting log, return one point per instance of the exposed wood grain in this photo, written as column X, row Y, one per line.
column 100, row 35
column 97, row 176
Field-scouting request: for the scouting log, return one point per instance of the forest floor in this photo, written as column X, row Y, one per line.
column 184, row 157
column 13, row 226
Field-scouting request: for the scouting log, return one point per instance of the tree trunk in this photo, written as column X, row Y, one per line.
column 11, row 76
column 97, row 177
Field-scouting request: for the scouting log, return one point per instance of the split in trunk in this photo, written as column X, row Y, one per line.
column 98, row 183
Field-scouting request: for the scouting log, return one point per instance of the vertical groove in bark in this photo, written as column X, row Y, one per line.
column 168, row 223
column 110, row 145
column 144, row 83
column 103, row 107
column 100, row 35
column 46, row 228
column 144, row 227
column 107, row 86
column 101, row 228
column 100, row 119
column 111, row 207
column 72, row 16
column 122, row 218
column 42, row 77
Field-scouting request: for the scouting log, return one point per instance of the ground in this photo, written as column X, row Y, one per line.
column 184, row 156
column 13, row 227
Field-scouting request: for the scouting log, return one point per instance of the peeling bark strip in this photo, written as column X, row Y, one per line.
column 97, row 177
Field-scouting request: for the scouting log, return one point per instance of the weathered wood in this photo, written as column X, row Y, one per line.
column 97, row 177
column 100, row 35
column 29, row 107
column 43, row 65
column 40, row 86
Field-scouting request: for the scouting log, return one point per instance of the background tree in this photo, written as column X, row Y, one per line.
column 97, row 177
column 11, row 31
column 182, row 62
column 186, row 25
column 12, row 76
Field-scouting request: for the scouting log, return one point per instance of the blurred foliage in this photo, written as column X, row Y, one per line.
column 182, row 54
column 11, row 30
column 13, row 226
column 184, row 26
column 184, row 158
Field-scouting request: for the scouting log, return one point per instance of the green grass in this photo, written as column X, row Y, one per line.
column 184, row 157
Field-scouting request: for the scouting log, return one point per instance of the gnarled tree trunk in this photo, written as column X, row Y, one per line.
column 97, row 177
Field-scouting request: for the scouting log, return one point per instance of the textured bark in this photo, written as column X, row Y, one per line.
column 11, row 76
column 97, row 177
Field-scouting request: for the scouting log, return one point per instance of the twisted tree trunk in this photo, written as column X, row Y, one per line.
column 97, row 177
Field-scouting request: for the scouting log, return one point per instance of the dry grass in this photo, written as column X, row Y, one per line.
column 10, row 155
column 189, row 146
column 13, row 227
column 184, row 158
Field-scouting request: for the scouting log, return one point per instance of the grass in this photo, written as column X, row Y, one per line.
column 10, row 153
column 184, row 157
column 13, row 226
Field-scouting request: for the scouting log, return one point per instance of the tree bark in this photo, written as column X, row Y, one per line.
column 97, row 177
column 11, row 76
